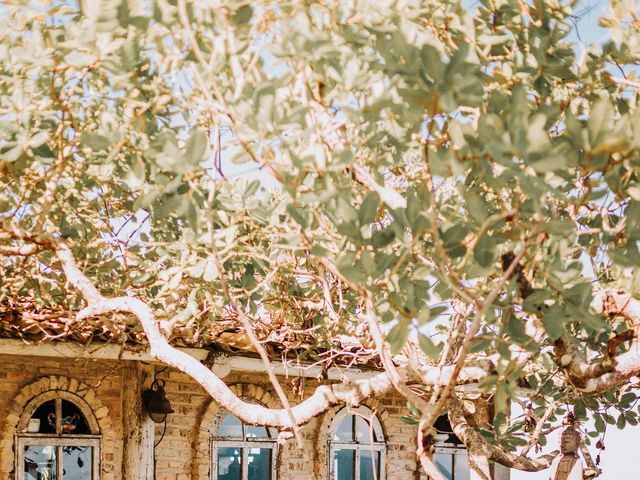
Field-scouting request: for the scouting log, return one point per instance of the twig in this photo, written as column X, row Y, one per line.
column 539, row 426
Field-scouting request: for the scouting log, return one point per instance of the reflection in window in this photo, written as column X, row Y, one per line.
column 243, row 452
column 229, row 463
column 453, row 463
column 344, row 464
column 40, row 462
column 357, row 446
column 57, row 444
column 77, row 462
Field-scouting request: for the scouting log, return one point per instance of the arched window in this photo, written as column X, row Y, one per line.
column 451, row 456
column 356, row 448
column 57, row 440
column 243, row 452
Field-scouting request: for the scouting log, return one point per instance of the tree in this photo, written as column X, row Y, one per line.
column 456, row 189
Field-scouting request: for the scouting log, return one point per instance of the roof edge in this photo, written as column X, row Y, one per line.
column 223, row 362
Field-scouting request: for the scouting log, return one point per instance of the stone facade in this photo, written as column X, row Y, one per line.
column 184, row 451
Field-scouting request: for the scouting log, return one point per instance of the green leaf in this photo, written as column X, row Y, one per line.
column 627, row 399
column 580, row 409
column 95, row 141
column 600, row 120
column 297, row 215
column 554, row 320
column 632, row 216
column 477, row 208
column 243, row 15
column 348, row 266
column 197, row 147
column 515, row 328
column 429, row 347
column 621, row 422
column 537, row 136
column 369, row 208
column 409, row 420
column 484, row 250
column 397, row 336
column 38, row 139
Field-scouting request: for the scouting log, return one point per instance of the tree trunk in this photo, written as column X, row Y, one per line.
column 138, row 428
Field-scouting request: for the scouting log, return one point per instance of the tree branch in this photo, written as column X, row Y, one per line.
column 323, row 398
column 539, row 426
column 612, row 371
column 388, row 195
column 478, row 444
column 471, row 333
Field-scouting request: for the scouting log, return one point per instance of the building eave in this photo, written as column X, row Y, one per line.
column 224, row 364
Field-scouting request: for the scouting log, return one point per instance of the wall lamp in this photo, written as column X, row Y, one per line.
column 155, row 401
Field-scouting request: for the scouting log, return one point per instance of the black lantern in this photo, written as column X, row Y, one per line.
column 155, row 401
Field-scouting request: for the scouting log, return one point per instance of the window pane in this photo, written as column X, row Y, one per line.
column 257, row 432
column 229, row 463
column 44, row 418
column 231, row 426
column 444, row 461
column 463, row 471
column 364, row 433
column 259, row 463
column 40, row 462
column 345, row 429
column 344, row 462
column 369, row 465
column 76, row 463
column 73, row 421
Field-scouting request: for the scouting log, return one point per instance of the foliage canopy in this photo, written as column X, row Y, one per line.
column 461, row 178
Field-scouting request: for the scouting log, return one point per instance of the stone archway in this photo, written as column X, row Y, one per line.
column 47, row 388
column 323, row 434
column 208, row 423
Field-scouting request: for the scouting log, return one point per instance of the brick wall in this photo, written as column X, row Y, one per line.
column 184, row 452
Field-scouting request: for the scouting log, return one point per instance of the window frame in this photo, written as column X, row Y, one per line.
column 453, row 450
column 244, row 444
column 59, row 439
column 356, row 446
column 45, row 439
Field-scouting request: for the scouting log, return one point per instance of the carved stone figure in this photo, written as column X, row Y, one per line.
column 567, row 465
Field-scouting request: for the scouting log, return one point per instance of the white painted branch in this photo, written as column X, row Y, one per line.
column 624, row 81
column 323, row 398
column 388, row 195
column 432, row 375
column 479, row 465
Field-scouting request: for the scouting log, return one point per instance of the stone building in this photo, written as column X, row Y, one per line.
column 74, row 411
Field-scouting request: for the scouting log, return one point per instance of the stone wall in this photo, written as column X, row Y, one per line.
column 184, row 451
